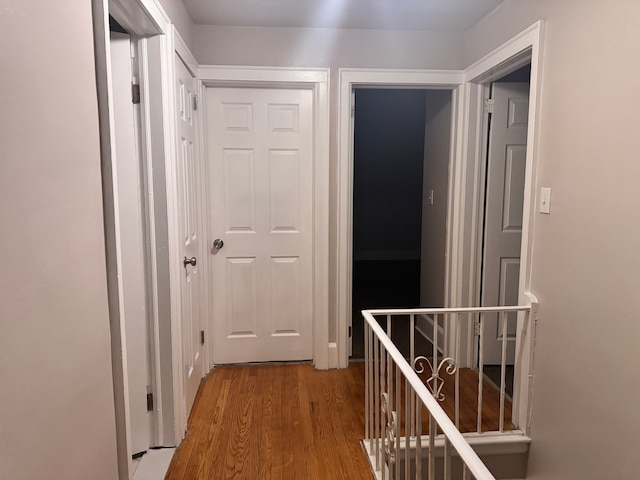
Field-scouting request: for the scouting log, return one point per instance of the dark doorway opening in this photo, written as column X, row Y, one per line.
column 399, row 184
column 387, row 202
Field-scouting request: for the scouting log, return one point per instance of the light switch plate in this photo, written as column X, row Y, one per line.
column 545, row 200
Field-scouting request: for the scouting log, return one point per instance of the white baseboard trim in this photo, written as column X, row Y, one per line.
column 333, row 355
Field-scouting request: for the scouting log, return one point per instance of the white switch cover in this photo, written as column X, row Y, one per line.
column 545, row 200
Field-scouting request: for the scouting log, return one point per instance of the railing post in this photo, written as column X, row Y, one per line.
column 371, row 392
column 367, row 353
column 376, row 399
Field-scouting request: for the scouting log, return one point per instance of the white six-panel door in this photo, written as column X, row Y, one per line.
column 503, row 212
column 260, row 162
column 190, row 228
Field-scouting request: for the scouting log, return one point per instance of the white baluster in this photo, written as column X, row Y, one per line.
column 432, row 449
column 457, row 379
column 398, row 410
column 419, row 440
column 503, row 365
column 408, row 420
column 412, row 356
column 480, row 372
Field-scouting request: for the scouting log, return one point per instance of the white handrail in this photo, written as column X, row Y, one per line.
column 467, row 454
column 433, row 311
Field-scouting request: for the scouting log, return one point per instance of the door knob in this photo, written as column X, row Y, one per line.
column 218, row 244
column 190, row 261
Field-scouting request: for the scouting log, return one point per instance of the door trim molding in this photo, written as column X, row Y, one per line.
column 526, row 47
column 363, row 77
column 318, row 81
column 142, row 18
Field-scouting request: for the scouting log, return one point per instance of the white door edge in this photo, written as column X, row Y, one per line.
column 174, row 50
column 524, row 48
column 357, row 77
column 316, row 80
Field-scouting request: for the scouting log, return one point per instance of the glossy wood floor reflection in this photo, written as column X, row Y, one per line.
column 294, row 422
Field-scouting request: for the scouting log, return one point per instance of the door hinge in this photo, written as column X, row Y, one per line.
column 488, row 105
column 201, row 337
column 195, row 102
column 135, row 94
column 476, row 327
column 353, row 111
column 350, row 331
column 149, row 402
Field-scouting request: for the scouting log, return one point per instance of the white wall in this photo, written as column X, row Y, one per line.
column 325, row 47
column 180, row 19
column 56, row 399
column 299, row 47
column 388, row 144
column 435, row 177
column 586, row 257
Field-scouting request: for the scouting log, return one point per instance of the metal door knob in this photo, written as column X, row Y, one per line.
column 190, row 261
column 218, row 244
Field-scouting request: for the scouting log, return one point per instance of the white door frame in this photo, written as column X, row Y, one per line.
column 522, row 49
column 157, row 44
column 316, row 80
column 351, row 78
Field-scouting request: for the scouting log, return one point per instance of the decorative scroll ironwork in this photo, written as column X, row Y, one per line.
column 435, row 382
column 390, row 429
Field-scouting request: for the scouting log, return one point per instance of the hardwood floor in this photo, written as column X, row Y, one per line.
column 275, row 422
column 290, row 422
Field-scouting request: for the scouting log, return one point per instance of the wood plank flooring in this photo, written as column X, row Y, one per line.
column 275, row 422
column 289, row 422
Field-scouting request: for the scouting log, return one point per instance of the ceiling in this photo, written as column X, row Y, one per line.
column 451, row 15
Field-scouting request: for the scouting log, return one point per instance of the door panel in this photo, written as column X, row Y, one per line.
column 260, row 164
column 190, row 229
column 503, row 213
column 131, row 253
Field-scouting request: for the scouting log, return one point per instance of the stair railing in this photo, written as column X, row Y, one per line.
column 396, row 398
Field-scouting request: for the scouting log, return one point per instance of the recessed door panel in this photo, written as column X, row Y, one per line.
column 513, row 203
column 283, row 118
column 284, row 188
column 239, row 188
column 237, row 117
column 241, row 294
column 285, row 296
